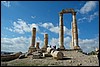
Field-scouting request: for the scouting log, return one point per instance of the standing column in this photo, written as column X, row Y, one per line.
column 45, row 40
column 32, row 47
column 61, row 36
column 72, row 43
column 33, row 37
column 74, row 32
column 37, row 45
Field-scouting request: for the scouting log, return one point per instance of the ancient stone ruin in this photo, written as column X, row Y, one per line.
column 74, row 43
column 44, row 48
column 32, row 48
column 45, row 51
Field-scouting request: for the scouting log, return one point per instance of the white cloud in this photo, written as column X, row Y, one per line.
column 23, row 43
column 47, row 25
column 81, row 19
column 89, row 45
column 10, row 29
column 90, row 5
column 6, row 3
column 91, row 17
column 21, row 27
column 41, row 43
column 55, row 41
column 15, row 44
column 18, row 44
column 33, row 17
column 67, row 31
column 55, row 29
column 67, row 41
column 88, row 18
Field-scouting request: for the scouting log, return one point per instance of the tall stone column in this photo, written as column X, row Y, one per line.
column 61, row 31
column 32, row 47
column 37, row 45
column 72, row 43
column 74, row 32
column 33, row 37
column 45, row 41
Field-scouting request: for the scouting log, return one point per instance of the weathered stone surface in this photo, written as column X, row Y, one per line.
column 45, row 42
column 36, row 55
column 33, row 37
column 10, row 56
column 61, row 31
column 47, row 55
column 37, row 45
column 21, row 56
column 74, row 29
column 49, row 49
column 57, row 55
column 31, row 49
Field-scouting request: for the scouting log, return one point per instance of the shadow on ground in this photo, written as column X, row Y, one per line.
column 66, row 58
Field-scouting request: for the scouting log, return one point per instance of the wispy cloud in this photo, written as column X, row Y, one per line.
column 6, row 3
column 23, row 43
column 89, row 6
column 89, row 45
column 47, row 25
column 21, row 27
column 55, row 41
column 55, row 29
column 41, row 42
column 33, row 17
column 91, row 17
column 18, row 43
column 88, row 18
column 15, row 44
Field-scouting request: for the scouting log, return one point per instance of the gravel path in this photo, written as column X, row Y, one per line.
column 71, row 58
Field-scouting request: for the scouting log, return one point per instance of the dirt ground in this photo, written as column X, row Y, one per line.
column 71, row 58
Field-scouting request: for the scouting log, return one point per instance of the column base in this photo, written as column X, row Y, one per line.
column 62, row 48
column 31, row 49
column 76, row 48
column 44, row 49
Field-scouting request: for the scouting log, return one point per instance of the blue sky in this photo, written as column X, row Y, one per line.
column 18, row 18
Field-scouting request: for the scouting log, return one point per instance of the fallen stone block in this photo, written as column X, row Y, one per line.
column 21, row 56
column 57, row 55
column 47, row 55
column 36, row 55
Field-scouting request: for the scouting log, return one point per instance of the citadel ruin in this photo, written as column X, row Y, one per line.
column 74, row 42
column 73, row 54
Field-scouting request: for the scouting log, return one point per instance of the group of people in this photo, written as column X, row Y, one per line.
column 54, row 47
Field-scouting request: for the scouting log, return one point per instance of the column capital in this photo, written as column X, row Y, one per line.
column 61, row 14
column 33, row 29
column 74, row 13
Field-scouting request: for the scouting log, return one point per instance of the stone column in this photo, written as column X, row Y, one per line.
column 74, row 32
column 61, row 31
column 32, row 47
column 72, row 43
column 37, row 45
column 33, row 37
column 45, row 41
